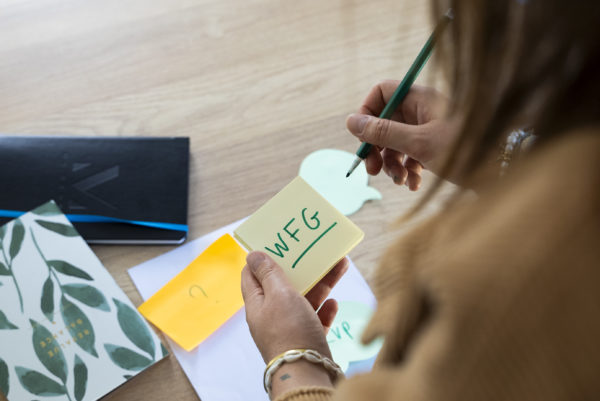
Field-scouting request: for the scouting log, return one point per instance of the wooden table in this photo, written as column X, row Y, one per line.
column 256, row 84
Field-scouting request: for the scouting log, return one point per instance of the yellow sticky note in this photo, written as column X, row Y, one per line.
column 302, row 232
column 202, row 297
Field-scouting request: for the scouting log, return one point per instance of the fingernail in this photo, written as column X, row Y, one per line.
column 255, row 259
column 399, row 181
column 357, row 122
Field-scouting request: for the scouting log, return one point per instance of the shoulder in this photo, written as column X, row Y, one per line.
column 492, row 287
column 521, row 230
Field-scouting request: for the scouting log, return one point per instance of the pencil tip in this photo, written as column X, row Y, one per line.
column 353, row 166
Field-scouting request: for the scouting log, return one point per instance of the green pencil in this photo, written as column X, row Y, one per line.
column 404, row 86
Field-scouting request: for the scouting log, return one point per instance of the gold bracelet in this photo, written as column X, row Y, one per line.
column 294, row 355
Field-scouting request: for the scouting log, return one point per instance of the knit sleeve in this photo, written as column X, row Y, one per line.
column 499, row 304
column 494, row 300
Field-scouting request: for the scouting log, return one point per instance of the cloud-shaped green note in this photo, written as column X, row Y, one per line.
column 325, row 170
column 345, row 332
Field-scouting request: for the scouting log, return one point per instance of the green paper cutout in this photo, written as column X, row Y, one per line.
column 345, row 334
column 325, row 170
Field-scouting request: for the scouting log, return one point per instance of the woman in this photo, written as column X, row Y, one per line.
column 497, row 297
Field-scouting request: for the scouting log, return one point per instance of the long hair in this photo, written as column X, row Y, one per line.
column 515, row 64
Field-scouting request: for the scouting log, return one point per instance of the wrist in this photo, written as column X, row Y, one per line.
column 299, row 374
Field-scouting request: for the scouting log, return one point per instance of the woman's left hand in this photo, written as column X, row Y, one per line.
column 281, row 319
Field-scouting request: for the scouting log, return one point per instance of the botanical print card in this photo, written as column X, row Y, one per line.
column 67, row 331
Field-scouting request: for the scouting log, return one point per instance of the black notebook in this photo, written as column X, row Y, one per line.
column 137, row 185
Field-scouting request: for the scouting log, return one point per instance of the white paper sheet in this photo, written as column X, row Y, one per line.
column 227, row 365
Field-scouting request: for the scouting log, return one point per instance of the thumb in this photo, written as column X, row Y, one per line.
column 384, row 133
column 266, row 271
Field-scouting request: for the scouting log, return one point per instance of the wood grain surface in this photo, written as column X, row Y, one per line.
column 256, row 84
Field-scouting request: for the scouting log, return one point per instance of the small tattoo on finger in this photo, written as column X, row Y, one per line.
column 285, row 377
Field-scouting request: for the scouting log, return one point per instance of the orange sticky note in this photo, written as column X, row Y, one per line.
column 202, row 297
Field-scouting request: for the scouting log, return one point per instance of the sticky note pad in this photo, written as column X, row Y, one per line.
column 345, row 333
column 302, row 232
column 202, row 297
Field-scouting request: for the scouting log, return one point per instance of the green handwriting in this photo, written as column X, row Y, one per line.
column 312, row 223
column 338, row 334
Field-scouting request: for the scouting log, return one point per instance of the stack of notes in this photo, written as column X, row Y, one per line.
column 302, row 232
column 297, row 228
column 208, row 366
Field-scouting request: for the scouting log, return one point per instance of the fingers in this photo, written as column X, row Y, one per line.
column 407, row 172
column 266, row 272
column 414, row 169
column 384, row 133
column 327, row 314
column 393, row 167
column 321, row 290
column 420, row 105
column 252, row 292
column 378, row 97
column 374, row 162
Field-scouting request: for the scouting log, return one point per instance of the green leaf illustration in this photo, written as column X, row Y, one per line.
column 164, row 350
column 59, row 228
column 47, row 209
column 47, row 302
column 39, row 384
column 134, row 327
column 18, row 233
column 80, row 373
column 4, row 270
column 48, row 351
column 2, row 231
column 5, row 324
column 88, row 295
column 79, row 326
column 126, row 358
column 66, row 268
column 4, row 378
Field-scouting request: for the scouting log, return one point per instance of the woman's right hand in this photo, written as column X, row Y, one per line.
column 418, row 129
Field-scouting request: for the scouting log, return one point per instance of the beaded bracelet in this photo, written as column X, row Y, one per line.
column 294, row 355
column 517, row 141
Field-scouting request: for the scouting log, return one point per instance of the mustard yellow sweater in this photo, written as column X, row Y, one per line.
column 496, row 298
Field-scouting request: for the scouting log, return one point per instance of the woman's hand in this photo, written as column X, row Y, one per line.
column 281, row 319
column 417, row 130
